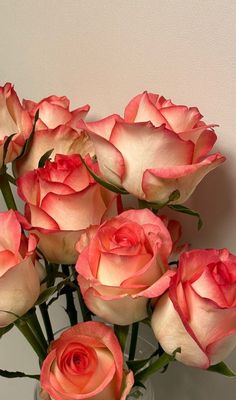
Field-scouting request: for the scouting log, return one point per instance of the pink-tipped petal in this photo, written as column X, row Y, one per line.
column 147, row 112
column 77, row 210
column 171, row 333
column 149, row 147
column 159, row 183
column 181, row 118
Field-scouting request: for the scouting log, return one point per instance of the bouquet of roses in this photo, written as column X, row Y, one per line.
column 79, row 238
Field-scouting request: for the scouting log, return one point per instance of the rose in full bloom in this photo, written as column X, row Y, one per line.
column 157, row 149
column 198, row 313
column 62, row 200
column 86, row 362
column 124, row 265
column 54, row 111
column 13, row 120
column 19, row 278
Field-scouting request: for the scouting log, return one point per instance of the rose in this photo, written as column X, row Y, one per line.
column 198, row 313
column 62, row 140
column 55, row 130
column 123, row 266
column 54, row 111
column 86, row 362
column 19, row 278
column 13, row 120
column 157, row 149
column 62, row 200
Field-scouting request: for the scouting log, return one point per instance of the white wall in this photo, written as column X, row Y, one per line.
column 103, row 53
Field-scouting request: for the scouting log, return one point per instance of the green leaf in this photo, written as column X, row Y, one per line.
column 44, row 158
column 222, row 369
column 185, row 210
column 136, row 365
column 160, row 363
column 107, row 185
column 6, row 329
column 6, row 145
column 157, row 205
column 121, row 333
column 17, row 374
column 44, row 296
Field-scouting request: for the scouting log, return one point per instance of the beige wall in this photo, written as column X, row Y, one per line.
column 104, row 52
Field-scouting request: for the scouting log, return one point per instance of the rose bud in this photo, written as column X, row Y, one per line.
column 198, row 313
column 86, row 362
column 13, row 120
column 124, row 265
column 62, row 200
column 157, row 149
column 19, row 277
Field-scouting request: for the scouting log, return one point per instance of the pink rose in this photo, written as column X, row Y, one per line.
column 19, row 278
column 86, row 362
column 157, row 149
column 198, row 313
column 13, row 120
column 54, row 111
column 62, row 140
column 62, row 200
column 123, row 266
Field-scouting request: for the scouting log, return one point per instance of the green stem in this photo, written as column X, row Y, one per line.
column 35, row 327
column 11, row 179
column 46, row 320
column 51, row 270
column 86, row 314
column 84, row 309
column 160, row 363
column 70, row 305
column 133, row 340
column 6, row 192
column 121, row 332
column 30, row 337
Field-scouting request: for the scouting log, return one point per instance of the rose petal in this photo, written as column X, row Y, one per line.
column 171, row 333
column 77, row 210
column 158, row 184
column 181, row 118
column 20, row 288
column 12, row 232
column 148, row 148
column 110, row 310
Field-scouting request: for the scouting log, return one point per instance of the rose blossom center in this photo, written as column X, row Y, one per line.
column 125, row 238
column 78, row 359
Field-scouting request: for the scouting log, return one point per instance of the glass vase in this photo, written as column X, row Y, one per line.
column 143, row 350
column 139, row 394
